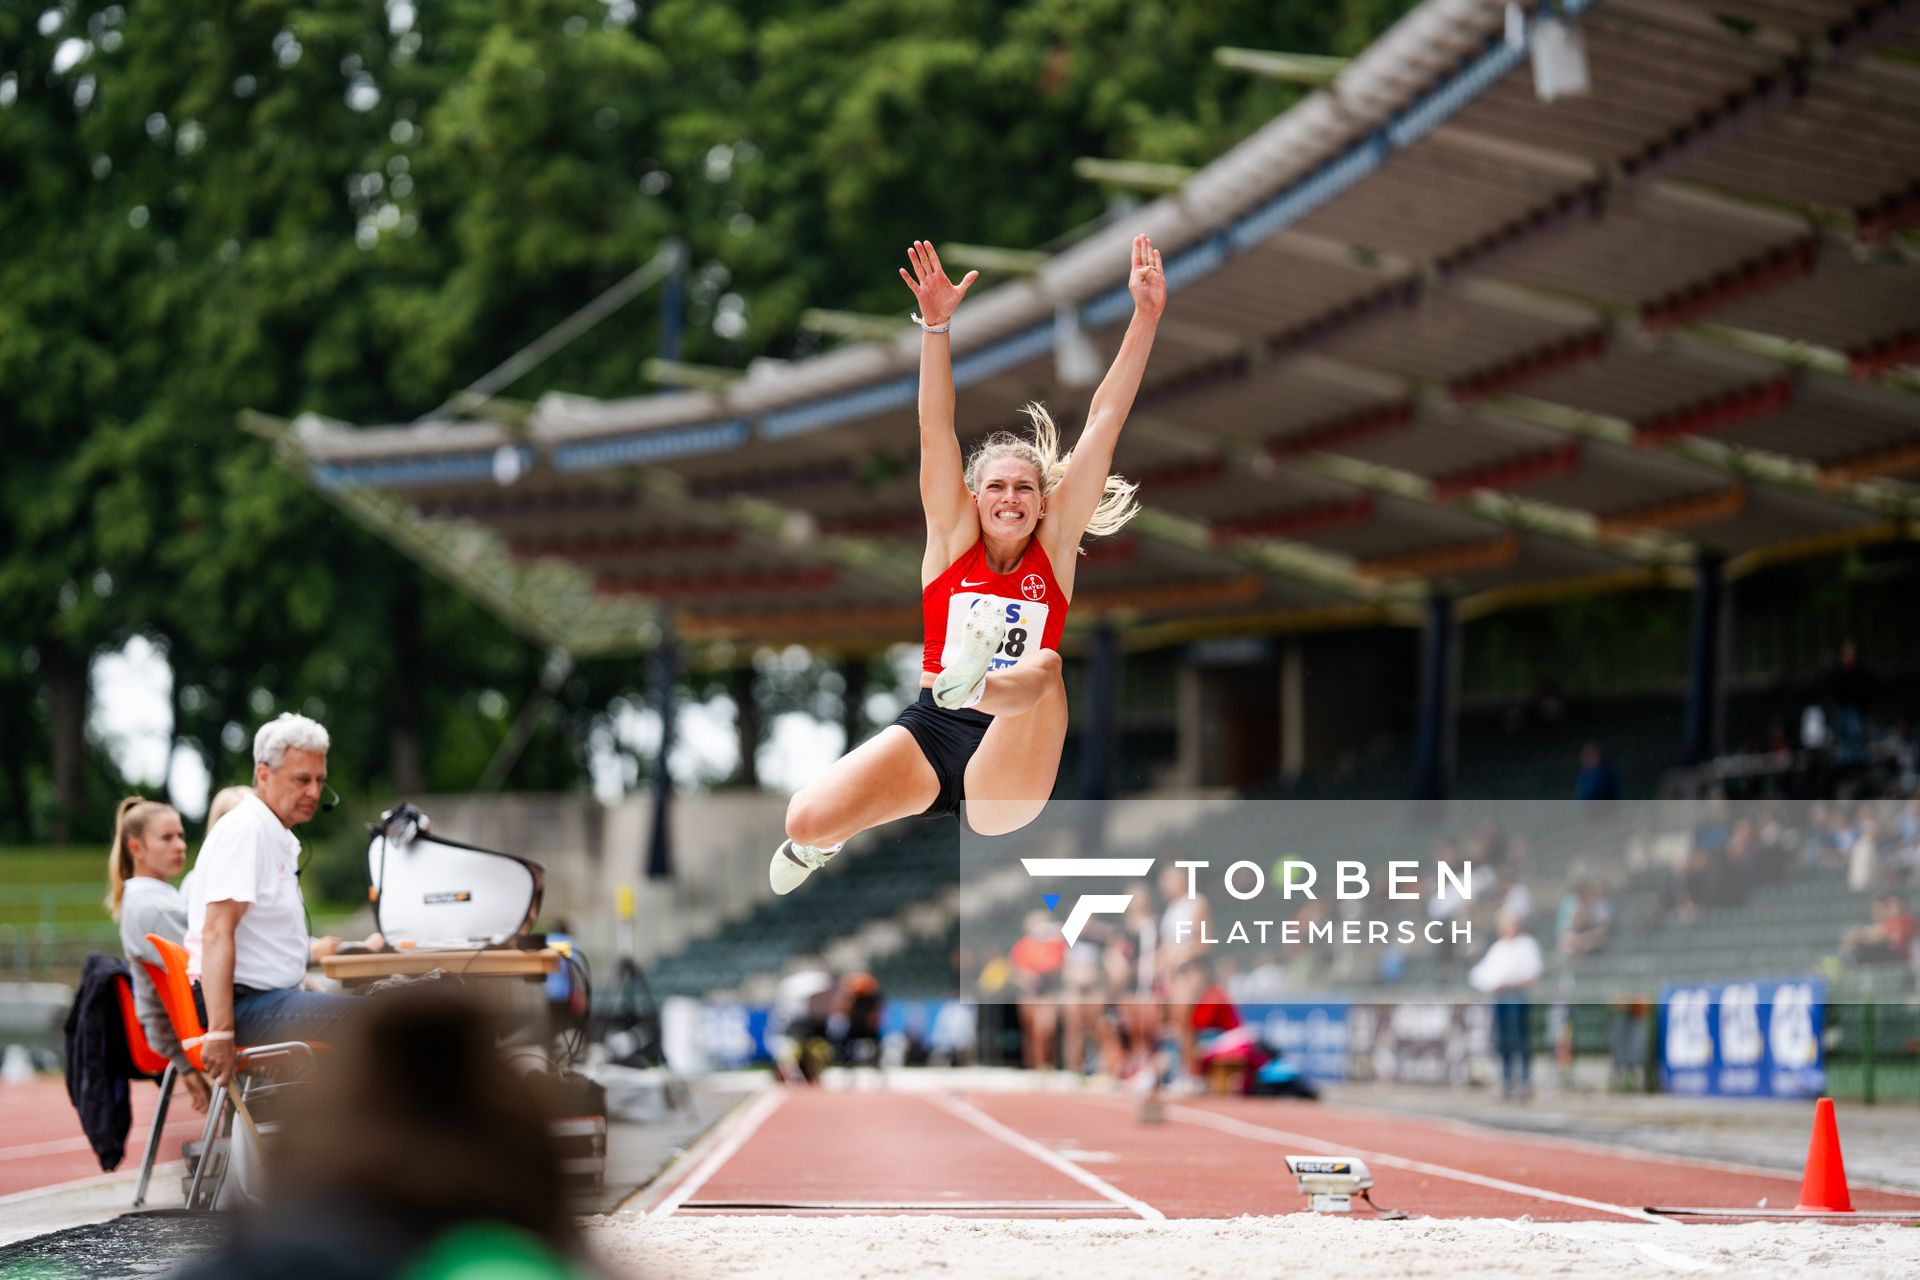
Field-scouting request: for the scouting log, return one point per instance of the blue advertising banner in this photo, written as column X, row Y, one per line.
column 1744, row 1039
column 1314, row 1037
column 720, row 1035
column 732, row 1035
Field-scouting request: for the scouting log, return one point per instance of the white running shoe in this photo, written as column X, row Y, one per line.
column 793, row 863
column 963, row 673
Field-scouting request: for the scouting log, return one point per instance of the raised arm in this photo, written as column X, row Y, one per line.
column 943, row 490
column 1073, row 501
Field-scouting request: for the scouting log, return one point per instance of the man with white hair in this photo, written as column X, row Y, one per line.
column 247, row 943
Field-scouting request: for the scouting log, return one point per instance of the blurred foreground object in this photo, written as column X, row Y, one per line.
column 422, row 1152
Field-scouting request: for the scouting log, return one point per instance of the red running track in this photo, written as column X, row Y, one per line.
column 41, row 1144
column 813, row 1152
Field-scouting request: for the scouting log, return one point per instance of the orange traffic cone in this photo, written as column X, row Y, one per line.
column 1824, row 1189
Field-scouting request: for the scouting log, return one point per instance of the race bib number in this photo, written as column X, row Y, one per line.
column 1026, row 624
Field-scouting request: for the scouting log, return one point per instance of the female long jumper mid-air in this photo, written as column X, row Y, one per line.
column 1002, row 537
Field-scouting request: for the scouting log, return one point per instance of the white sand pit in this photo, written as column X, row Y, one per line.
column 785, row 1248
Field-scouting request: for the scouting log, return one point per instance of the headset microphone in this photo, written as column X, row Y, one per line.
column 328, row 806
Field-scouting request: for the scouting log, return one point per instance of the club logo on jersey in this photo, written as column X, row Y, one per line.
column 1033, row 586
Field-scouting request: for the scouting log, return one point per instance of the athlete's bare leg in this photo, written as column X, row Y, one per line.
column 1013, row 771
column 1019, row 688
column 884, row 778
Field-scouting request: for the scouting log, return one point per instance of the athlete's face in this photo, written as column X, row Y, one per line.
column 1009, row 499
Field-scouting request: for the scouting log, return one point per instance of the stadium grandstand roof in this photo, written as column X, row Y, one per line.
column 1430, row 333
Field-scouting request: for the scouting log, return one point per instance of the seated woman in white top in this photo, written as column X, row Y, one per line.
column 149, row 849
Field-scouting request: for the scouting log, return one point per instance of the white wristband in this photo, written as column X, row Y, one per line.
column 205, row 1036
column 932, row 328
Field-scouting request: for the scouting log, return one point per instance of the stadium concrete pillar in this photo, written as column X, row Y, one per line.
column 1707, row 667
column 853, row 700
column 660, row 838
column 1439, row 690
column 1293, row 709
column 746, row 721
column 673, row 305
column 1100, row 695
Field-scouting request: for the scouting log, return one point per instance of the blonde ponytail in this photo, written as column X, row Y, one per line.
column 1117, row 502
column 129, row 822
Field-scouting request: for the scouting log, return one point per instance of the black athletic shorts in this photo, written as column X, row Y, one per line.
column 948, row 740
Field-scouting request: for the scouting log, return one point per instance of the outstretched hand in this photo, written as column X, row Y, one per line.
column 937, row 295
column 1148, row 282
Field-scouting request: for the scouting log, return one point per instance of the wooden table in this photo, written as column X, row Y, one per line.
column 359, row 970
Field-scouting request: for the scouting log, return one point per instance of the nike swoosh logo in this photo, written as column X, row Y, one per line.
column 965, row 583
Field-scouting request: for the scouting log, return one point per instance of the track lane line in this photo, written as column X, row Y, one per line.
column 964, row 1110
column 1285, row 1138
column 56, row 1147
column 756, row 1114
column 1602, row 1146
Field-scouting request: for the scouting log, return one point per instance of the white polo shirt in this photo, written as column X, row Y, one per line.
column 250, row 857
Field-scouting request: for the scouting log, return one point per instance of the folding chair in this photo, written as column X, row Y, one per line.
column 150, row 1066
column 176, row 996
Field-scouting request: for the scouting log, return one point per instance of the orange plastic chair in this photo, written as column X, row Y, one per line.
column 150, row 1064
column 146, row 1060
column 176, row 997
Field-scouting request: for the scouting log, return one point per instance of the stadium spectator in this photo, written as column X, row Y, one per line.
column 1509, row 893
column 1181, row 923
column 247, row 943
column 1224, row 1048
column 1888, row 940
column 1863, row 859
column 1444, row 905
column 1136, row 995
column 1850, row 694
column 954, row 1035
column 853, row 1028
column 1736, row 867
column 1183, row 917
column 1772, row 845
column 1507, row 972
column 149, row 850
column 1830, row 843
column 797, row 1024
column 1906, row 836
column 1598, row 779
column 1489, row 847
column 1083, row 980
column 224, row 802
column 1586, row 920
column 1691, row 885
column 1037, row 959
column 1903, row 757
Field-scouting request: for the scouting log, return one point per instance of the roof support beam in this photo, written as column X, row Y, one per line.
column 987, row 257
column 1752, row 466
column 1311, row 69
column 697, row 377
column 857, row 325
column 1307, row 564
column 1135, row 175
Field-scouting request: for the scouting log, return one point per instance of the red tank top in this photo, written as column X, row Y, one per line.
column 1036, row 606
